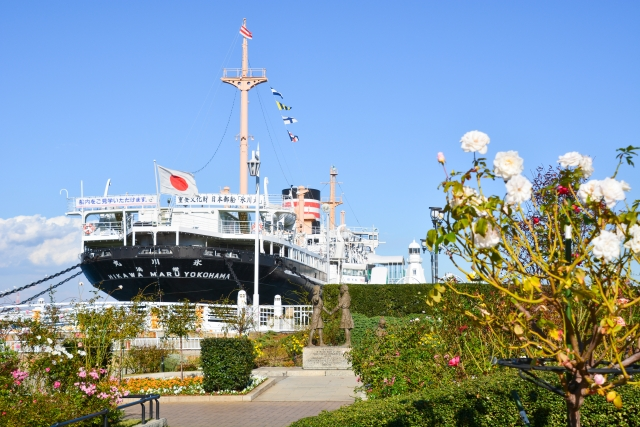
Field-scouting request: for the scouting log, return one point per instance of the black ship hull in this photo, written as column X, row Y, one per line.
column 199, row 274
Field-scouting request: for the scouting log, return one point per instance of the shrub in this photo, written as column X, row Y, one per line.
column 401, row 300
column 226, row 363
column 145, row 359
column 485, row 401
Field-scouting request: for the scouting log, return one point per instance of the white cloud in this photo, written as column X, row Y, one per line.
column 38, row 240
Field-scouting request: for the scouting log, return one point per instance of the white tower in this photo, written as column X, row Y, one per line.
column 415, row 272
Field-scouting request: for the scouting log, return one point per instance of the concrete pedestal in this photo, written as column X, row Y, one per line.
column 325, row 358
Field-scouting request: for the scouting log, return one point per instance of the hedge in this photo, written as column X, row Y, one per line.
column 400, row 300
column 226, row 363
column 482, row 402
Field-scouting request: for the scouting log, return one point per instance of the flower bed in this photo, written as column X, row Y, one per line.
column 191, row 386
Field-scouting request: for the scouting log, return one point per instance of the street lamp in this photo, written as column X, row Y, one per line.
column 436, row 218
column 254, row 170
column 326, row 208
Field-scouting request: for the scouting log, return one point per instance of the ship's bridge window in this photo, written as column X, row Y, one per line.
column 352, row 272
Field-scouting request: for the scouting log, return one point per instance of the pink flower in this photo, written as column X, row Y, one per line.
column 82, row 373
column 47, row 369
column 80, row 345
column 620, row 321
column 435, row 356
column 56, row 384
column 441, row 158
column 103, row 371
column 93, row 374
column 19, row 375
column 622, row 301
column 598, row 379
column 454, row 361
column 103, row 395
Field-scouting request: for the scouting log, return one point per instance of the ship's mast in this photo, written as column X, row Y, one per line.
column 244, row 79
column 332, row 197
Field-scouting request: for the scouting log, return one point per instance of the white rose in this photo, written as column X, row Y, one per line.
column 590, row 191
column 490, row 239
column 612, row 191
column 49, row 341
column 460, row 198
column 586, row 164
column 475, row 141
column 518, row 190
column 606, row 246
column 634, row 242
column 621, row 231
column 571, row 159
column 508, row 164
column 625, row 185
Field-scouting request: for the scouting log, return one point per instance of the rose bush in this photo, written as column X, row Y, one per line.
column 563, row 290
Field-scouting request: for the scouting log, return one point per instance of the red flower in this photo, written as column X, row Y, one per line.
column 575, row 208
column 562, row 190
column 463, row 328
column 455, row 361
column 536, row 220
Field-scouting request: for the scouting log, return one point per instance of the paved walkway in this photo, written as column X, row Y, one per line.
column 291, row 398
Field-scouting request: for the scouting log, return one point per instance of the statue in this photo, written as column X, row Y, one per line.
column 346, row 322
column 381, row 331
column 316, row 316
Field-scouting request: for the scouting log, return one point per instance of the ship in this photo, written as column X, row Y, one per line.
column 209, row 246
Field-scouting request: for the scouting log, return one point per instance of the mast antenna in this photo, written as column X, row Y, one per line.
column 244, row 79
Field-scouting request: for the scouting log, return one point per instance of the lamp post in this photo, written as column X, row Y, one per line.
column 326, row 209
column 436, row 218
column 254, row 170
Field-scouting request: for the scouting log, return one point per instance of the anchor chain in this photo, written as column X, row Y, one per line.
column 233, row 273
column 46, row 290
column 30, row 285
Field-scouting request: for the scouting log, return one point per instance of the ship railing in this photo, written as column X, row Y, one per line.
column 103, row 229
column 237, row 72
column 243, row 227
column 363, row 229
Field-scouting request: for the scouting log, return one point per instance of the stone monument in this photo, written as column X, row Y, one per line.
column 323, row 357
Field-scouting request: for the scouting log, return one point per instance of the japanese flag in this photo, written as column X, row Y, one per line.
column 177, row 182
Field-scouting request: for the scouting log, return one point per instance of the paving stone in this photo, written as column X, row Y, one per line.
column 291, row 398
column 241, row 414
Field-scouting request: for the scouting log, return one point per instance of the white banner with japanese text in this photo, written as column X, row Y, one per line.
column 115, row 201
column 220, row 199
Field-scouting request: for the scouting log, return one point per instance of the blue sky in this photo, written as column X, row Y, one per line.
column 98, row 90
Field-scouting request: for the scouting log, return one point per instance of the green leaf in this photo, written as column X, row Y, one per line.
column 451, row 237
column 432, row 236
column 481, row 226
